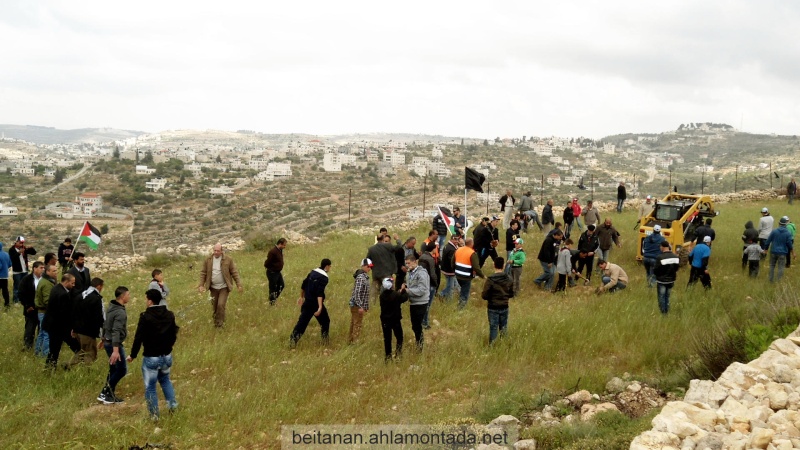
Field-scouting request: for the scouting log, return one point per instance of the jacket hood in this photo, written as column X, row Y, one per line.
column 1, row 246
column 358, row 272
column 159, row 314
column 499, row 277
column 749, row 224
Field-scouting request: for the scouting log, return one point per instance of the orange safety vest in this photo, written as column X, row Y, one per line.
column 463, row 260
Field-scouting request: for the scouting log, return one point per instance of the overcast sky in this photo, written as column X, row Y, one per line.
column 455, row 68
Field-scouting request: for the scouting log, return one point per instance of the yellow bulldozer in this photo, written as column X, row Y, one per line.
column 679, row 215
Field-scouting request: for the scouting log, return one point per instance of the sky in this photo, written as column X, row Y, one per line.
column 454, row 68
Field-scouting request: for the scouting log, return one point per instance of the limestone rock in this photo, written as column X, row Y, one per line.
column 760, row 438
column 653, row 440
column 711, row 442
column 505, row 420
column 739, row 375
column 674, row 411
column 634, row 387
column 577, row 399
column 778, row 397
column 589, row 410
column 616, row 385
column 525, row 444
column 705, row 391
column 677, row 424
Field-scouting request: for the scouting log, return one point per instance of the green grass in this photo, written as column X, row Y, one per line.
column 237, row 386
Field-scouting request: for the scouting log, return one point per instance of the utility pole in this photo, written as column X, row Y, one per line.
column 424, row 191
column 541, row 193
column 349, row 206
column 736, row 180
column 703, row 180
column 770, row 175
column 669, row 188
column 592, row 188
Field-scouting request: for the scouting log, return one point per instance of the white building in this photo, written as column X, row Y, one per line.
column 609, row 149
column 331, row 162
column 89, row 202
column 27, row 171
column 280, row 169
column 264, row 176
column 554, row 179
column 222, row 190
column 6, row 210
column 522, row 180
column 394, row 158
column 143, row 170
column 488, row 197
column 156, row 184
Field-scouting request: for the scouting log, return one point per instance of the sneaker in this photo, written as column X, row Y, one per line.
column 118, row 399
column 105, row 398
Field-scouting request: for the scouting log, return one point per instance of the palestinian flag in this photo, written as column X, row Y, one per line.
column 449, row 221
column 90, row 236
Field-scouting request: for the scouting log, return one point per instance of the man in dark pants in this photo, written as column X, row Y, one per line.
column 312, row 298
column 65, row 255
column 487, row 241
column 27, row 296
column 621, row 196
column 391, row 316
column 418, row 288
column 115, row 330
column 274, row 266
column 699, row 257
column 19, row 263
column 58, row 319
column 88, row 320
column 588, row 244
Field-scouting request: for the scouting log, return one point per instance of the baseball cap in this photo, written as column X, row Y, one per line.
column 366, row 262
column 519, row 241
column 495, row 218
column 648, row 198
column 784, row 220
column 591, row 227
column 387, row 284
column 20, row 239
column 707, row 239
column 764, row 210
column 657, row 228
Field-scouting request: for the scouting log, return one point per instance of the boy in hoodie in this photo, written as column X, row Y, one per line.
column 753, row 254
column 359, row 300
column 311, row 301
column 418, row 287
column 496, row 291
column 516, row 261
column 158, row 284
column 651, row 248
column 750, row 234
column 391, row 316
column 564, row 266
column 157, row 332
column 115, row 330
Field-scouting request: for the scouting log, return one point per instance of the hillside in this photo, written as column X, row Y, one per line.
column 50, row 135
column 238, row 386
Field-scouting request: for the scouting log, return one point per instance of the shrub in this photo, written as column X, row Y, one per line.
column 259, row 241
column 158, row 260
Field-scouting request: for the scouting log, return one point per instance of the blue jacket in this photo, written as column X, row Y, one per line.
column 314, row 287
column 5, row 263
column 700, row 255
column 780, row 241
column 651, row 246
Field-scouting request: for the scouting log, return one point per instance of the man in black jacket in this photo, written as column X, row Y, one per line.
column 274, row 266
column 19, row 263
column 58, row 319
column 548, row 219
column 27, row 295
column 65, row 255
column 487, row 240
column 384, row 263
column 750, row 235
column 666, row 269
column 587, row 246
column 547, row 258
column 507, row 203
column 312, row 298
column 83, row 279
column 622, row 194
column 87, row 322
column 157, row 332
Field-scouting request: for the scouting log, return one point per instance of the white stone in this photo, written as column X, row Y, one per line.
column 525, row 444
column 785, row 346
column 505, row 420
column 760, row 438
column 677, row 424
column 588, row 410
column 615, row 385
column 634, row 387
column 739, row 375
column 651, row 440
column 705, row 391
column 778, row 397
column 782, row 444
column 579, row 398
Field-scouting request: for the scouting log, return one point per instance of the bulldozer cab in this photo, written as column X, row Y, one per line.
column 678, row 215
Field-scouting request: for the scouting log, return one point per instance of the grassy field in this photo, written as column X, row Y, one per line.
column 238, row 385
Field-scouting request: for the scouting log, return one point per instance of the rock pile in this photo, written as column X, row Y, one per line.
column 104, row 264
column 753, row 405
column 230, row 244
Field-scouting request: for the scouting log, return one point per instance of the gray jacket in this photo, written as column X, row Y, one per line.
column 418, row 284
column 525, row 203
column 115, row 328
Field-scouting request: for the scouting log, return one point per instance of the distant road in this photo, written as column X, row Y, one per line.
column 69, row 180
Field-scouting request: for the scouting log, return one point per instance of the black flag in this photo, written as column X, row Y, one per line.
column 473, row 179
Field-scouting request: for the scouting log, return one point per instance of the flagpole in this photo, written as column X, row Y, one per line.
column 466, row 217
column 77, row 241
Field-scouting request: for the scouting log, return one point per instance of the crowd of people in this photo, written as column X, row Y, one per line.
column 69, row 309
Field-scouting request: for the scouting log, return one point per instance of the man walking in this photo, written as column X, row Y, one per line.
column 384, row 264
column 548, row 254
column 497, row 290
column 665, row 271
column 507, row 203
column 576, row 213
column 765, row 224
column 217, row 276
column 587, row 247
column 447, row 267
column 622, row 194
column 27, row 297
column 418, row 288
column 115, row 330
column 608, row 237
column 466, row 264
column 359, row 299
column 42, row 297
column 18, row 254
column 88, row 322
column 5, row 264
column 157, row 333
column 548, row 219
column 645, row 209
column 780, row 245
column 791, row 190
column 651, row 249
column 312, row 304
column 58, row 320
column 274, row 265
column 699, row 257
column 591, row 216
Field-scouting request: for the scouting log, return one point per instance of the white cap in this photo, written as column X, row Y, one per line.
column 764, row 210
column 657, row 228
column 648, row 197
column 707, row 239
column 387, row 283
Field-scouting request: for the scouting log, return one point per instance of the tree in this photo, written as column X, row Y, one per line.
column 148, row 158
column 104, row 229
column 485, row 142
column 219, row 159
column 115, row 155
column 59, row 176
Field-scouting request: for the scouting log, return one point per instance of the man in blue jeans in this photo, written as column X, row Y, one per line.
column 651, row 248
column 547, row 258
column 779, row 243
column 496, row 291
column 157, row 332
